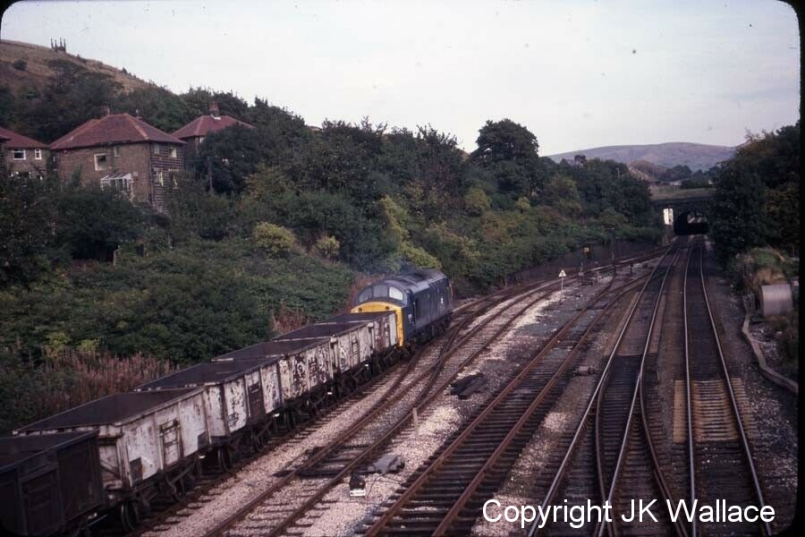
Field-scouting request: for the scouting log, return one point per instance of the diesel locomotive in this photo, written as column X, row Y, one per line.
column 420, row 300
column 114, row 456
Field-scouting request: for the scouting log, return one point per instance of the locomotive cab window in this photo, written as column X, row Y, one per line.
column 365, row 295
column 396, row 294
column 380, row 291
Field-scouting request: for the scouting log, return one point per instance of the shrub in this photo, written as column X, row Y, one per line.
column 20, row 65
column 328, row 247
column 286, row 320
column 418, row 257
column 68, row 379
column 522, row 204
column 476, row 201
column 274, row 239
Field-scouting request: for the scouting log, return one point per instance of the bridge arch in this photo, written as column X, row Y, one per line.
column 687, row 215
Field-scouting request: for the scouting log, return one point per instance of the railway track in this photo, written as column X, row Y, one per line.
column 721, row 462
column 628, row 469
column 332, row 461
column 269, row 514
column 349, row 450
column 167, row 512
column 595, row 454
column 625, row 456
column 444, row 496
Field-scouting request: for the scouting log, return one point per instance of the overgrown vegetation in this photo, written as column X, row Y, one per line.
column 756, row 201
column 67, row 378
column 756, row 218
column 272, row 227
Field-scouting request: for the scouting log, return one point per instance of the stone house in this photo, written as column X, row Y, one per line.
column 23, row 155
column 194, row 132
column 123, row 152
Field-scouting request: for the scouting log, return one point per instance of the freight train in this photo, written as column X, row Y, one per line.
column 115, row 455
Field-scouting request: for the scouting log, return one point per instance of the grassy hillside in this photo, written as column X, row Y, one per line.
column 695, row 156
column 36, row 72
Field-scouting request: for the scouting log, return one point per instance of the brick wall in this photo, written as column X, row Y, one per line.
column 138, row 159
column 30, row 164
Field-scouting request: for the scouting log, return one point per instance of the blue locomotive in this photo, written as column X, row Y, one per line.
column 422, row 301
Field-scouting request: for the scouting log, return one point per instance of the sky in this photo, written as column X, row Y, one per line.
column 578, row 74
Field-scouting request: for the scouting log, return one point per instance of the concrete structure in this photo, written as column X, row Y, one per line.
column 688, row 215
column 776, row 299
column 122, row 152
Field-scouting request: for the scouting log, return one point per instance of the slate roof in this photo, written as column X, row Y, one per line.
column 110, row 130
column 206, row 124
column 12, row 140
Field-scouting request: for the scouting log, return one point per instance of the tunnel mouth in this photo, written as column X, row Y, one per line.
column 691, row 223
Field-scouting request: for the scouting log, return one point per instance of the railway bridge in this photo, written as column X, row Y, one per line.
column 688, row 214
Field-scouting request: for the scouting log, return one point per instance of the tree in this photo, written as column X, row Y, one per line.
column 340, row 159
column 440, row 162
column 504, row 140
column 280, row 132
column 510, row 152
column 738, row 220
column 92, row 223
column 156, row 106
column 27, row 212
column 72, row 96
column 757, row 194
column 229, row 156
column 561, row 192
column 782, row 209
column 199, row 99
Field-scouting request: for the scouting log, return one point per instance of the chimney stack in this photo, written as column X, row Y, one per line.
column 214, row 110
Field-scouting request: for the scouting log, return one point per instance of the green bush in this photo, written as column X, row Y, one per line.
column 476, row 201
column 328, row 247
column 274, row 239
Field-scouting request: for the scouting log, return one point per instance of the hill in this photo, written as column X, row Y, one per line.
column 35, row 72
column 695, row 156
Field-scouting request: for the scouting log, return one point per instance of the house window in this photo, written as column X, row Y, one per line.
column 159, row 178
column 116, row 151
column 156, row 149
column 19, row 154
column 101, row 162
column 120, row 182
column 173, row 152
column 174, row 178
column 38, row 154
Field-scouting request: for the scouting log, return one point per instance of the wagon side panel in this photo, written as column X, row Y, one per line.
column 255, row 396
column 236, row 404
column 271, row 387
column 193, row 420
column 168, row 426
column 142, row 457
column 216, row 416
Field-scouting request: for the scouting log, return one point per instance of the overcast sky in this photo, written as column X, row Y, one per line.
column 578, row 74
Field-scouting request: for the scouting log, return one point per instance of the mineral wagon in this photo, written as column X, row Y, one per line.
column 49, row 484
column 147, row 442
